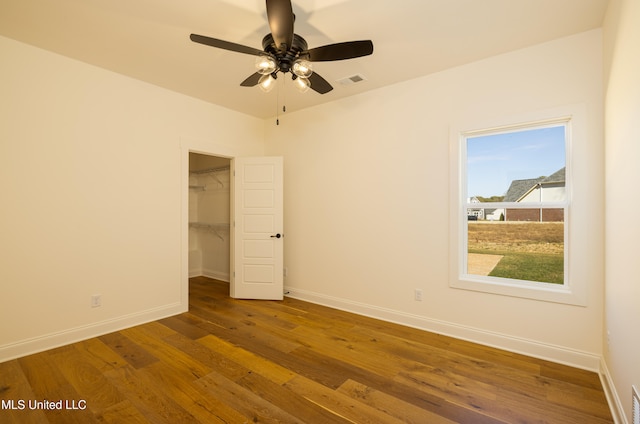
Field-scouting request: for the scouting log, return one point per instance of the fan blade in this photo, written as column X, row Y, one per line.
column 280, row 15
column 319, row 84
column 252, row 80
column 340, row 51
column 226, row 45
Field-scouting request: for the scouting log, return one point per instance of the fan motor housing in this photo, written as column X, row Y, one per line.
column 286, row 58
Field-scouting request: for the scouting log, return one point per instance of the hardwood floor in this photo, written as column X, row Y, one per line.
column 238, row 361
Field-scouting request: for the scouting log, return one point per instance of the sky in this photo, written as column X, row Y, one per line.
column 493, row 161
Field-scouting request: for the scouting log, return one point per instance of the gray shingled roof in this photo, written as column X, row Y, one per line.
column 556, row 177
column 519, row 187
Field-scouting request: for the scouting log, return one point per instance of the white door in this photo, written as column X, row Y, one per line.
column 257, row 257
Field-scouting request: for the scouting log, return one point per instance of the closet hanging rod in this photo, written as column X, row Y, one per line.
column 211, row 170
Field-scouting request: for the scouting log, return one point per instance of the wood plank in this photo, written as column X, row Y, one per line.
column 571, row 375
column 406, row 412
column 587, row 400
column 417, row 354
column 16, row 390
column 518, row 407
column 190, row 396
column 146, row 396
column 244, row 400
column 243, row 329
column 101, row 356
column 149, row 337
column 249, row 360
column 85, row 378
column 288, row 400
column 214, row 359
column 338, row 403
column 183, row 327
column 48, row 382
column 122, row 412
column 43, row 374
column 134, row 354
column 456, row 389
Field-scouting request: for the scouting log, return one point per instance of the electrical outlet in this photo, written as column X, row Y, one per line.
column 285, row 271
column 96, row 300
column 417, row 295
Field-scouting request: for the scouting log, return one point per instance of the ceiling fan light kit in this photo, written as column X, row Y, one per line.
column 302, row 84
column 302, row 68
column 266, row 65
column 267, row 82
column 287, row 52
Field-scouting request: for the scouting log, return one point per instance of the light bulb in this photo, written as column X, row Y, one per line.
column 265, row 65
column 266, row 83
column 302, row 68
column 302, row 84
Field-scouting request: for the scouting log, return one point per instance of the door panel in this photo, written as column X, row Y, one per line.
column 258, row 199
column 256, row 249
column 258, row 227
column 258, row 223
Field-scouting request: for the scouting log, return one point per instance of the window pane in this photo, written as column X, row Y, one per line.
column 525, row 165
column 531, row 251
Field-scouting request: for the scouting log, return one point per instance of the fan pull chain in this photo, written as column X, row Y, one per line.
column 284, row 97
column 284, row 107
column 278, row 105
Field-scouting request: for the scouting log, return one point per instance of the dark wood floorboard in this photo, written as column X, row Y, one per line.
column 242, row 361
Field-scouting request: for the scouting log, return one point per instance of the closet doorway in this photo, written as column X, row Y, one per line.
column 209, row 216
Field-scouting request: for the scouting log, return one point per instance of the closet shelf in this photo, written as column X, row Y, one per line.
column 211, row 170
column 220, row 188
column 213, row 173
column 212, row 227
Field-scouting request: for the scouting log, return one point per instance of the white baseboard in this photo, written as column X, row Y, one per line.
column 558, row 354
column 216, row 275
column 72, row 335
column 617, row 410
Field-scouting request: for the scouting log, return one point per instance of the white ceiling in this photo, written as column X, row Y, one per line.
column 149, row 39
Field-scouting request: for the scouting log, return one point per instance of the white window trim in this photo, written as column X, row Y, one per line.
column 574, row 291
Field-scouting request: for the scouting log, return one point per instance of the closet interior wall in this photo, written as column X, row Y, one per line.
column 209, row 206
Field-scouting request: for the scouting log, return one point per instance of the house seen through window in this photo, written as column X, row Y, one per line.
column 516, row 204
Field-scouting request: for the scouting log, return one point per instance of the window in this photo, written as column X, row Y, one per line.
column 516, row 201
column 510, row 228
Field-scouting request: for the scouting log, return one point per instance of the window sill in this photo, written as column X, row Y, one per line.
column 517, row 288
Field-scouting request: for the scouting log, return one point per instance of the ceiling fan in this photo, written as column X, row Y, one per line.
column 284, row 51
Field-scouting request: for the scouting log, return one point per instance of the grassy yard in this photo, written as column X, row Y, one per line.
column 532, row 251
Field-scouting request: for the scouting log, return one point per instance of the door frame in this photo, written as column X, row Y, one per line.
column 204, row 148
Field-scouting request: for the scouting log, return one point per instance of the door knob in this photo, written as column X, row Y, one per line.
column 277, row 236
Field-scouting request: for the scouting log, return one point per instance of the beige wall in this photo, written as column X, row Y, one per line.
column 622, row 129
column 367, row 195
column 92, row 166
